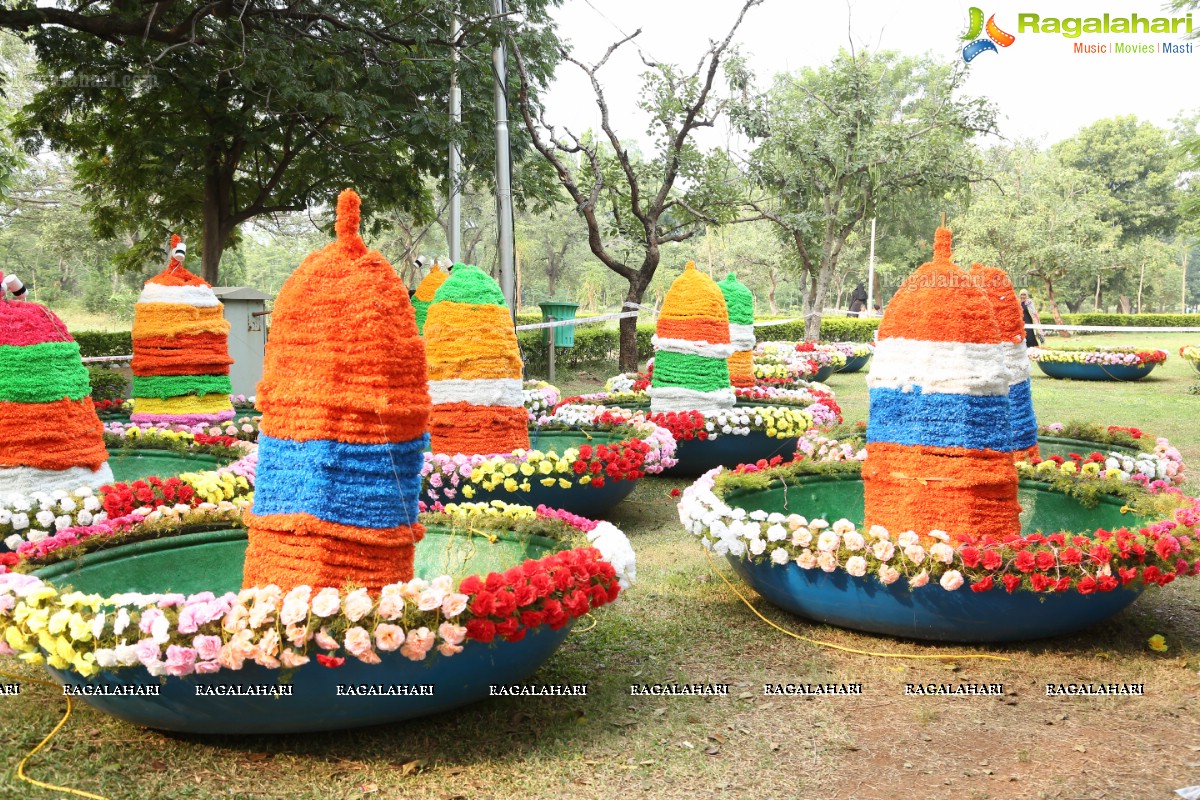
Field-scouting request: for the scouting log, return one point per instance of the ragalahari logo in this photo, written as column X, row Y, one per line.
column 978, row 45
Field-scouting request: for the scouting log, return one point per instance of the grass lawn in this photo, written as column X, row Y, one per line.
column 681, row 623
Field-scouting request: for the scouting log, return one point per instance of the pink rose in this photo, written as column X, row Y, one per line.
column 388, row 637
column 207, row 667
column 454, row 634
column 230, row 658
column 430, row 599
column 418, row 644
column 940, row 551
column 298, row 635
column 888, row 575
column 914, row 553
column 291, row 659
column 325, row 641
column 148, row 651
column 919, row 580
column 326, row 603
column 827, row 561
column 207, row 647
column 951, row 579
column 391, row 606
column 358, row 644
column 412, row 590
column 883, row 550
column 447, row 649
column 357, row 605
column 806, row 560
column 235, row 619
column 294, row 611
column 454, row 604
column 180, row 660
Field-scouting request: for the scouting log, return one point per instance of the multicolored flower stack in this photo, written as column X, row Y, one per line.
column 938, row 436
column 999, row 289
column 343, row 432
column 474, row 368
column 180, row 350
column 426, row 289
column 691, row 346
column 740, row 304
column 50, row 436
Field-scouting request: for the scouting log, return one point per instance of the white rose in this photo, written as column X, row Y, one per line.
column 827, row 561
column 806, row 560
column 45, row 518
column 843, row 526
column 883, row 550
column 827, row 541
column 36, row 535
column 776, row 533
column 802, row 537
column 940, row 551
column 856, row 566
column 915, row 553
column 779, row 556
column 14, row 541
column 854, row 541
column 907, row 538
column 758, row 546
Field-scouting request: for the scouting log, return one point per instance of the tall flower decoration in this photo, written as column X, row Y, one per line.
column 691, row 345
column 474, row 368
column 343, row 432
column 50, row 436
column 426, row 289
column 740, row 304
column 180, row 349
column 1007, row 309
column 938, row 432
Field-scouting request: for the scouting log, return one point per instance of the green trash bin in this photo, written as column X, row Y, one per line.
column 554, row 311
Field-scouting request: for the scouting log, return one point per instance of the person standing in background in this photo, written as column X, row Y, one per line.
column 1033, row 336
column 858, row 301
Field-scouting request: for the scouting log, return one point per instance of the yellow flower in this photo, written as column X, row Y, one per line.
column 547, row 481
column 468, row 491
column 527, row 469
column 564, row 483
column 1090, row 468
column 509, row 469
column 510, row 485
column 1158, row 643
column 545, row 467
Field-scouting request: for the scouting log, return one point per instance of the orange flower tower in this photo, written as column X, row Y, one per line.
column 50, row 437
column 474, row 368
column 343, row 432
column 938, row 435
column 691, row 345
column 426, row 289
column 180, row 349
column 1007, row 308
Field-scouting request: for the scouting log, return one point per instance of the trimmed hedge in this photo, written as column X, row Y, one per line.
column 1131, row 320
column 108, row 384
column 833, row 329
column 95, row 344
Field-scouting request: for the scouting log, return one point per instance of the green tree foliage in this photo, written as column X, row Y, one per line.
column 1138, row 167
column 1039, row 221
column 837, row 143
column 200, row 116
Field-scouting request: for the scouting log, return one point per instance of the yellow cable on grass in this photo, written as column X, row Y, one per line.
column 831, row 645
column 66, row 716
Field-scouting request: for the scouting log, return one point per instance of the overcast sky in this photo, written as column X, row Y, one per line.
column 1042, row 88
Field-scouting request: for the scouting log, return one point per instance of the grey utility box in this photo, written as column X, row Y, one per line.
column 245, row 309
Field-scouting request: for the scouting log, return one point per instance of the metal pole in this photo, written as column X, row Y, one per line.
column 871, row 274
column 504, row 209
column 455, row 155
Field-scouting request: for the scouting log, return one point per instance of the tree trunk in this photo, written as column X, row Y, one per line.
column 1054, row 306
column 1123, row 303
column 773, row 277
column 214, row 233
column 628, row 360
column 814, row 302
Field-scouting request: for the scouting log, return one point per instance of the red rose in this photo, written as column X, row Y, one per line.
column 1056, row 539
column 1062, row 585
column 598, row 596
column 506, row 604
column 598, row 482
column 470, row 585
column 1040, row 582
column 1107, row 583
column 1101, row 553
column 562, row 578
column 614, row 589
column 585, row 451
column 992, row 560
column 481, row 630
column 1025, row 561
column 532, row 619
column 1044, row 560
column 516, row 637
column 542, row 584
column 580, row 467
column 1086, row 585
column 1166, row 547
column 970, row 556
column 1128, row 574
column 1011, row 582
column 508, row 627
column 333, row 662
column 983, row 585
column 1070, row 556
column 494, row 582
column 484, row 604
column 526, row 595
